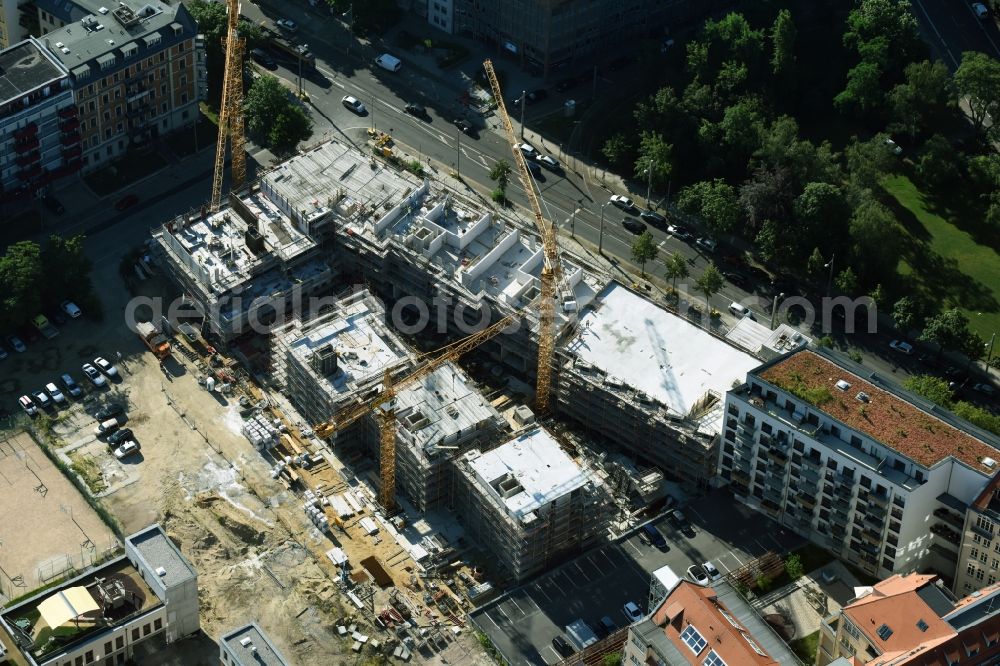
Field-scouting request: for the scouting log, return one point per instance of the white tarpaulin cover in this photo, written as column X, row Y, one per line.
column 65, row 606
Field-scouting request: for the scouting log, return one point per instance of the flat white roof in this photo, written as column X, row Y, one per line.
column 664, row 356
column 543, row 472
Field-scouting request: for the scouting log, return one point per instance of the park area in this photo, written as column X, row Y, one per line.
column 48, row 529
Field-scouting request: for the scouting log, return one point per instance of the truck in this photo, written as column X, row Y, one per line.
column 154, row 339
column 580, row 634
column 44, row 327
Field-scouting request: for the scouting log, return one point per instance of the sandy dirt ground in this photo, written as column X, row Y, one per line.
column 64, row 533
column 258, row 556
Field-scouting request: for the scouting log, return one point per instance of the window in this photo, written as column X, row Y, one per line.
column 693, row 639
column 713, row 659
column 145, row 630
column 991, row 579
column 995, row 563
column 851, row 630
column 974, row 553
column 983, row 558
column 119, row 642
column 157, row 624
column 89, row 656
column 979, row 574
column 970, row 569
column 135, row 634
column 107, row 648
column 984, row 523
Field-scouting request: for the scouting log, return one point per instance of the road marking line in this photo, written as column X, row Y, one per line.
column 505, row 616
column 543, row 592
column 487, row 616
column 736, row 557
column 637, row 551
column 511, row 600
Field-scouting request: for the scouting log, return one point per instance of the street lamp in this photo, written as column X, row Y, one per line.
column 649, row 183
column 989, row 348
column 458, row 151
column 600, row 240
column 829, row 279
column 572, row 223
column 524, row 94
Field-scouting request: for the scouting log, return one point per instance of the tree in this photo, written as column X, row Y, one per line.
column 938, row 166
column 793, row 567
column 644, row 249
column 710, row 283
column 877, row 294
column 501, row 174
column 821, row 213
column 211, row 18
column 846, row 281
column 783, row 34
column 933, row 388
column 655, row 154
column 888, row 21
column 767, row 195
column 618, row 151
column 67, row 269
column 875, row 237
column 950, row 330
column 815, row 263
column 977, row 416
column 613, row 659
column 21, row 272
column 864, row 91
column 978, row 81
column 905, row 314
column 714, row 201
column 925, row 100
column 677, row 268
column 741, row 126
column 272, row 115
column 868, row 161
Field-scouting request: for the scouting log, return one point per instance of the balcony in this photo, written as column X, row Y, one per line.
column 874, row 520
column 26, row 132
column 72, row 153
column 950, row 517
column 26, row 145
column 67, row 112
column 872, row 537
column 843, row 492
column 30, row 172
column 28, row 158
column 774, row 496
column 811, row 462
column 739, row 475
column 69, row 125
column 946, row 533
column 880, row 499
column 70, row 139
column 944, row 552
column 807, row 500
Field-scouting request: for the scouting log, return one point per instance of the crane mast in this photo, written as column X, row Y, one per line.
column 550, row 268
column 231, row 109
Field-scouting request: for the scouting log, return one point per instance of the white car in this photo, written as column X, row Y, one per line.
column 27, row 405
column 902, row 347
column 70, row 308
column 981, row 11
column 127, row 449
column 57, row 395
column 95, row 377
column 105, row 366
column 622, row 201
column 549, row 162
column 354, row 104
column 677, row 231
column 528, row 151
column 696, row 574
column 286, row 24
column 894, row 147
column 632, row 612
column 711, row 571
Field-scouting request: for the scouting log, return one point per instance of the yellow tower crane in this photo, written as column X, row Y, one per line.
column 383, row 403
column 231, row 109
column 550, row 269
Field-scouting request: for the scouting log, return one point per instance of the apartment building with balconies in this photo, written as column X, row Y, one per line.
column 979, row 551
column 878, row 476
column 37, row 115
column 137, row 70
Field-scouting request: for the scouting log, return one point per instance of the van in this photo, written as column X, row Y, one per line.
column 738, row 309
column 106, row 427
column 389, row 62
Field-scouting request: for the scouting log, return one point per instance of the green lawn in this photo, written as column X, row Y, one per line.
column 948, row 255
column 805, row 647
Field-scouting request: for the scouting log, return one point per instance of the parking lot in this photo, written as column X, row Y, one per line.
column 523, row 623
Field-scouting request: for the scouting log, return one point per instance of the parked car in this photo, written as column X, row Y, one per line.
column 126, row 202
column 697, row 575
column 562, row 646
column 262, row 58
column 288, row 25
column 980, row 10
column 536, row 171
column 70, row 308
column 679, row 232
column 608, row 625
column 416, row 110
column 106, row 426
column 633, row 225
column 528, row 151
column 653, row 537
column 41, row 399
column 632, row 612
column 105, row 366
column 465, row 127
column 986, row 389
column 706, row 244
column 54, row 205
column 56, row 317
column 549, row 162
column 623, row 202
column 354, row 104
column 16, row 344
column 901, row 347
column 711, row 571
column 3, row 353
column 680, row 522
column 54, row 392
column 654, row 218
column 120, row 436
column 71, row 386
column 109, row 411
column 27, row 405
column 127, row 449
column 95, row 377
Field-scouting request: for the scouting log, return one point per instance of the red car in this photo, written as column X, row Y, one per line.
column 127, row 202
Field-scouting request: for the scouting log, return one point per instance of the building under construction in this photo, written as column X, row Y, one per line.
column 529, row 504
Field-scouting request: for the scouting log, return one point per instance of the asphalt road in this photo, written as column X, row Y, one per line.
column 523, row 623
column 950, row 27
